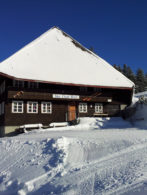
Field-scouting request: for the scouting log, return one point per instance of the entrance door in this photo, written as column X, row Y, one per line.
column 71, row 112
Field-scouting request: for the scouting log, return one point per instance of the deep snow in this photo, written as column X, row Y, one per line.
column 98, row 156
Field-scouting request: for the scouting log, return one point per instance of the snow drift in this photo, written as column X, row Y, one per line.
column 98, row 156
column 138, row 110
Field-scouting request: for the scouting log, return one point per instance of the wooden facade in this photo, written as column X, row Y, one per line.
column 65, row 102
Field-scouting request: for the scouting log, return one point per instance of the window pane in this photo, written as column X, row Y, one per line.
column 17, row 107
column 46, row 107
column 32, row 107
column 83, row 107
column 99, row 108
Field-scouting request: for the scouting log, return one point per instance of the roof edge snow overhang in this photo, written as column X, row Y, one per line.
column 61, row 83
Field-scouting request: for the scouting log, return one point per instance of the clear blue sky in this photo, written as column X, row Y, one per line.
column 116, row 29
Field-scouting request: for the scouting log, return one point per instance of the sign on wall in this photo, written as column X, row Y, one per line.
column 64, row 96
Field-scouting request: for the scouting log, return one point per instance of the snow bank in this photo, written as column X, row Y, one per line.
column 141, row 94
column 109, row 157
column 90, row 123
column 139, row 117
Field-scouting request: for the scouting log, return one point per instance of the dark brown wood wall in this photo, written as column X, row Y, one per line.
column 60, row 107
column 58, row 114
column 118, row 95
column 108, row 110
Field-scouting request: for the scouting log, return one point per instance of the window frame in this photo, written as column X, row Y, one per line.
column 95, row 89
column 83, row 89
column 82, row 106
column 22, row 107
column 31, row 112
column 46, row 108
column 98, row 109
column 2, row 87
column 18, row 83
column 33, row 85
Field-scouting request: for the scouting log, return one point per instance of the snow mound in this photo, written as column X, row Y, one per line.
column 96, row 123
column 141, row 94
column 109, row 157
column 139, row 119
column 138, row 110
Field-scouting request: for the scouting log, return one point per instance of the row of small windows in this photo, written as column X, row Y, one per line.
column 21, row 84
column 32, row 107
column 85, row 89
column 83, row 108
column 46, row 107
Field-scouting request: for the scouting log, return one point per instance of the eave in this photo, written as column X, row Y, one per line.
column 62, row 83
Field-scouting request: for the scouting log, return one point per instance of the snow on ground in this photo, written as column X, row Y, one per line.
column 97, row 156
column 139, row 117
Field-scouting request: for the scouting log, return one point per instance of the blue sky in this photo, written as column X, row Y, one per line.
column 116, row 29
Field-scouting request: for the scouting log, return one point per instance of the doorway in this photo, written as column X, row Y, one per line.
column 71, row 111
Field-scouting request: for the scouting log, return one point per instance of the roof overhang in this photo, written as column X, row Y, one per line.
column 61, row 83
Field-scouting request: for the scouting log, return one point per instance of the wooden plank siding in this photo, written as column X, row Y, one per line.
column 58, row 114
column 59, row 106
column 118, row 97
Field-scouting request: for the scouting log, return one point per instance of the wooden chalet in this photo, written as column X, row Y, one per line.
column 56, row 79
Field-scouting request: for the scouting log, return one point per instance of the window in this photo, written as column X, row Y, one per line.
column 32, row 107
column 98, row 108
column 83, row 89
column 17, row 83
column 2, row 87
column 3, row 107
column 17, row 107
column 97, row 89
column 46, row 107
column 83, row 107
column 33, row 85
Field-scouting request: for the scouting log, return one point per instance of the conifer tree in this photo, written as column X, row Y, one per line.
column 119, row 69
column 146, row 82
column 130, row 74
column 124, row 70
column 140, row 80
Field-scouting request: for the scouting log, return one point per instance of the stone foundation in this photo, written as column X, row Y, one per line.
column 7, row 130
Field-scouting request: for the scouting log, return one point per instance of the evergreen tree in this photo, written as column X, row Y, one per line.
column 124, row 70
column 146, row 82
column 115, row 66
column 119, row 69
column 130, row 74
column 140, row 80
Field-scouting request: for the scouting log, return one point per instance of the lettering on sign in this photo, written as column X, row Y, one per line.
column 64, row 96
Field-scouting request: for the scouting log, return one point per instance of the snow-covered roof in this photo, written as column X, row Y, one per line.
column 55, row 57
column 144, row 93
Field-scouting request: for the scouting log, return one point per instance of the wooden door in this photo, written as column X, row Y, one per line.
column 71, row 112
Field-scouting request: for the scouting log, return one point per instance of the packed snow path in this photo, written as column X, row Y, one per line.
column 98, row 156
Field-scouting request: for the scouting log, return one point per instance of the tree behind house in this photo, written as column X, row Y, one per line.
column 140, row 79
